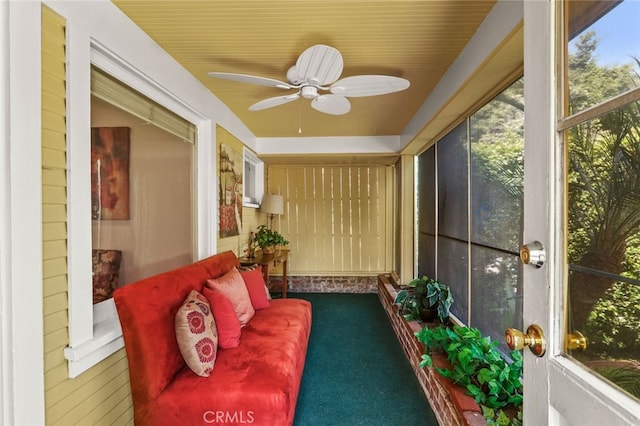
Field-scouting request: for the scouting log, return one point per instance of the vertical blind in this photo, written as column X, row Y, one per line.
column 335, row 217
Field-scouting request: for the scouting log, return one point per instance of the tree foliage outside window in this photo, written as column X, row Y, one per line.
column 604, row 213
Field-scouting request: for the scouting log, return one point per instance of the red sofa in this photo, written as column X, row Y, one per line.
column 256, row 383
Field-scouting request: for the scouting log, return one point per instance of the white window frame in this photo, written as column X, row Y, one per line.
column 94, row 330
column 22, row 373
column 253, row 178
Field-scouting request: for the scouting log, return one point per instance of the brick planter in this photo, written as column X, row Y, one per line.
column 449, row 402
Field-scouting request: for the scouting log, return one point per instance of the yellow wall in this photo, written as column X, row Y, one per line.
column 251, row 217
column 100, row 395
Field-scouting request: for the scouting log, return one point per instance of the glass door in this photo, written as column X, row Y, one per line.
column 582, row 201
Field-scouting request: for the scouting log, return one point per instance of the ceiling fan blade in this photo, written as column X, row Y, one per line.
column 368, row 85
column 245, row 78
column 331, row 104
column 271, row 102
column 319, row 65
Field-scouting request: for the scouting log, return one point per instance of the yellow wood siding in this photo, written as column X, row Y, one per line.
column 251, row 217
column 335, row 217
column 102, row 394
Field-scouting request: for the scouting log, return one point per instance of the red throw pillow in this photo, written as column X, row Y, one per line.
column 232, row 285
column 256, row 287
column 196, row 334
column 226, row 319
column 253, row 267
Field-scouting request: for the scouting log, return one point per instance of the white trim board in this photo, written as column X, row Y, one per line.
column 21, row 216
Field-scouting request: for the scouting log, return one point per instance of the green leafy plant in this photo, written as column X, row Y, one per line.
column 425, row 293
column 500, row 418
column 628, row 378
column 476, row 365
column 265, row 237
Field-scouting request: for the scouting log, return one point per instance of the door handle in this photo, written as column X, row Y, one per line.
column 533, row 254
column 534, row 339
column 575, row 341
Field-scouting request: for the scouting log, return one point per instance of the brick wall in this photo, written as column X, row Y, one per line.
column 328, row 284
column 448, row 401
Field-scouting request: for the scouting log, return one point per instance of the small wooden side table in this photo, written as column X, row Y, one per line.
column 268, row 261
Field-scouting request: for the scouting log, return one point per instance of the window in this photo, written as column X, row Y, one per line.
column 141, row 173
column 601, row 131
column 141, row 199
column 150, row 237
column 253, row 180
column 470, row 213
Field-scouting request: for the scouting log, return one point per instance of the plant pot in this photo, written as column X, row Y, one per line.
column 269, row 249
column 428, row 315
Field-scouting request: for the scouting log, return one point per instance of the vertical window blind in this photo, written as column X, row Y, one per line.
column 336, row 216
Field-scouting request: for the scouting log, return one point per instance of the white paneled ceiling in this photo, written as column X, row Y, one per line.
column 416, row 40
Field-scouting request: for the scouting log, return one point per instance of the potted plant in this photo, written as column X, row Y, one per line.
column 425, row 300
column 476, row 364
column 267, row 239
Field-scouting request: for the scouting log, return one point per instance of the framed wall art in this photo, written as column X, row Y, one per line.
column 110, row 173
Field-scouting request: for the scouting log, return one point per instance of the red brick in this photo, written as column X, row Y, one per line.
column 448, row 401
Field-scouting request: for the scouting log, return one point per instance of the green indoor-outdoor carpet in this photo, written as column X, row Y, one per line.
column 356, row 372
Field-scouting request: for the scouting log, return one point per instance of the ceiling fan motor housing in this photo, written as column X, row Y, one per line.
column 309, row 92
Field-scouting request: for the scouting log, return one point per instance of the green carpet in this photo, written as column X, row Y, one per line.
column 355, row 371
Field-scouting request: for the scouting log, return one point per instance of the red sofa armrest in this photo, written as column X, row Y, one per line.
column 146, row 310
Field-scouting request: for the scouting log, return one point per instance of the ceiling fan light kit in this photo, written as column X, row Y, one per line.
column 318, row 68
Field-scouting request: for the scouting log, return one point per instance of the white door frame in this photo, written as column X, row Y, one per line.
column 539, row 96
column 21, row 348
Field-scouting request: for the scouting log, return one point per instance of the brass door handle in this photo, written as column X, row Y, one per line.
column 575, row 341
column 534, row 339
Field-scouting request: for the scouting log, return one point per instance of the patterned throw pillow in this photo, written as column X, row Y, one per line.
column 196, row 334
column 232, row 285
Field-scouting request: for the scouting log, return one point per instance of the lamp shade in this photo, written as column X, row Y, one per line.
column 272, row 204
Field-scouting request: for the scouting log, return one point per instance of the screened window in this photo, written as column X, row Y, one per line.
column 470, row 185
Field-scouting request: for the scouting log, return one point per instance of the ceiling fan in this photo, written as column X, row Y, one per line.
column 317, row 70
